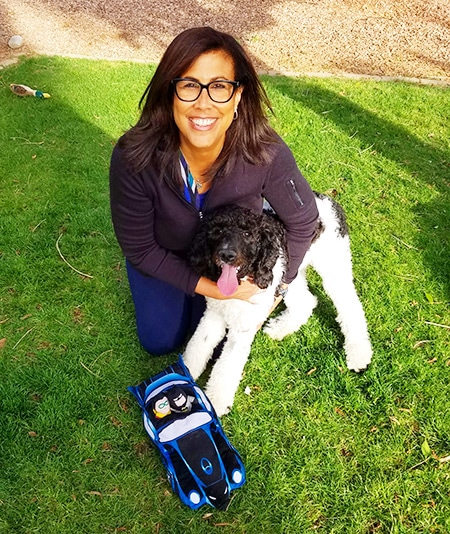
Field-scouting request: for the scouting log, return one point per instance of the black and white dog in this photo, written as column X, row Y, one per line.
column 233, row 243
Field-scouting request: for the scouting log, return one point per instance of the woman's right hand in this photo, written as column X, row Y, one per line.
column 245, row 291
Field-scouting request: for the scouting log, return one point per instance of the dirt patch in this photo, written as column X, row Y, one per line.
column 399, row 38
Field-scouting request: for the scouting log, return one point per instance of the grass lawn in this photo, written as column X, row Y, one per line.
column 325, row 449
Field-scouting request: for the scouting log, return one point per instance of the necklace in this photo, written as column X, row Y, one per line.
column 201, row 184
column 193, row 183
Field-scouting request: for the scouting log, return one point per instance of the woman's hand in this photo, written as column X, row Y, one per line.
column 245, row 291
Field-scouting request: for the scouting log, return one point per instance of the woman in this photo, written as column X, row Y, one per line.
column 202, row 141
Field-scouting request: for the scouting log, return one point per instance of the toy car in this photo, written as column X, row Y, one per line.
column 202, row 466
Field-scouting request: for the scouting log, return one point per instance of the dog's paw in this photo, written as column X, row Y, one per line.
column 358, row 356
column 224, row 410
column 277, row 328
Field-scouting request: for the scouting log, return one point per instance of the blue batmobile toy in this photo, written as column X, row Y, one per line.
column 202, row 466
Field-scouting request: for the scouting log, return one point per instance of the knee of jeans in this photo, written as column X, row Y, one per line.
column 158, row 347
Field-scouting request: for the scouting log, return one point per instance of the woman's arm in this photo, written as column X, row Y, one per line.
column 134, row 218
column 245, row 291
column 291, row 197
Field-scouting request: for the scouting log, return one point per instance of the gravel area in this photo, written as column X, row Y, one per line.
column 383, row 38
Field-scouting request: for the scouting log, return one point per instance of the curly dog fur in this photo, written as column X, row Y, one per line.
column 239, row 241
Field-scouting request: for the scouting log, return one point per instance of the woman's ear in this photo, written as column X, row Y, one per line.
column 237, row 97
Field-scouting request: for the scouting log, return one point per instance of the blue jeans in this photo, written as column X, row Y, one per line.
column 165, row 315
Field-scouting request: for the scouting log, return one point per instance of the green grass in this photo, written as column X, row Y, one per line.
column 325, row 449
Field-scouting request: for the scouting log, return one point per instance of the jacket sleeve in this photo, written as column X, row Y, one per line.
column 291, row 197
column 133, row 216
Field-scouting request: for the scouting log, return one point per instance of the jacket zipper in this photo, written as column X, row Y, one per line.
column 200, row 212
column 296, row 193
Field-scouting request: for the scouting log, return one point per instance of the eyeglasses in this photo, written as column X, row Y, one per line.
column 219, row 91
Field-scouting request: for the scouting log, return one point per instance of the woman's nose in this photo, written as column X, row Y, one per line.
column 203, row 100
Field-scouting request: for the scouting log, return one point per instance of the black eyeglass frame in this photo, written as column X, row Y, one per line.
column 174, row 82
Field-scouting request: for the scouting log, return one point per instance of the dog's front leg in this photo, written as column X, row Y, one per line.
column 210, row 331
column 227, row 371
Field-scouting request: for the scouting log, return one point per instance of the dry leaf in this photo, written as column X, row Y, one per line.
column 420, row 343
column 77, row 315
column 339, row 411
column 123, row 404
column 115, row 421
column 2, row 342
column 331, row 192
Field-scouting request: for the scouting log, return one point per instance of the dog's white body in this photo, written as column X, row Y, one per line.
column 330, row 256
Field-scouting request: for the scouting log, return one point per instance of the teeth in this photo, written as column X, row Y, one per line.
column 203, row 122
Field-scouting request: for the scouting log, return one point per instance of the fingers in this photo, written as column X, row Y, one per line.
column 247, row 290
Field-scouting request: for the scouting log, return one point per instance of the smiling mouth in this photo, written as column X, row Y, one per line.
column 203, row 123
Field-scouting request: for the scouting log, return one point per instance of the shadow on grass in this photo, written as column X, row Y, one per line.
column 69, row 347
column 54, row 170
column 429, row 165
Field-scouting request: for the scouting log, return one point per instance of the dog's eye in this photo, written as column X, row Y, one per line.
column 246, row 234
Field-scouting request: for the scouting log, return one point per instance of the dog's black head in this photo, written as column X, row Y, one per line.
column 235, row 242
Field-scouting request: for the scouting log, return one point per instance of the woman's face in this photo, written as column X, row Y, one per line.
column 203, row 123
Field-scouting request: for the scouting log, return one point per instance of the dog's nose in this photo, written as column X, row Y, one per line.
column 226, row 255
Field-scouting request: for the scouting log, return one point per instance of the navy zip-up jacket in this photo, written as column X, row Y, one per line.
column 155, row 225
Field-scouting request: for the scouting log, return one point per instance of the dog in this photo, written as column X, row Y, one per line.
column 233, row 243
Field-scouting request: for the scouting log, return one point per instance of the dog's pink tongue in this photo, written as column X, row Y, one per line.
column 228, row 281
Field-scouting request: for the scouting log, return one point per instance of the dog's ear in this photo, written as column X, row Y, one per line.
column 271, row 245
column 201, row 255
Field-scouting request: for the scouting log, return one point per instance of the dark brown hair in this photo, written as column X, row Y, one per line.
column 155, row 136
